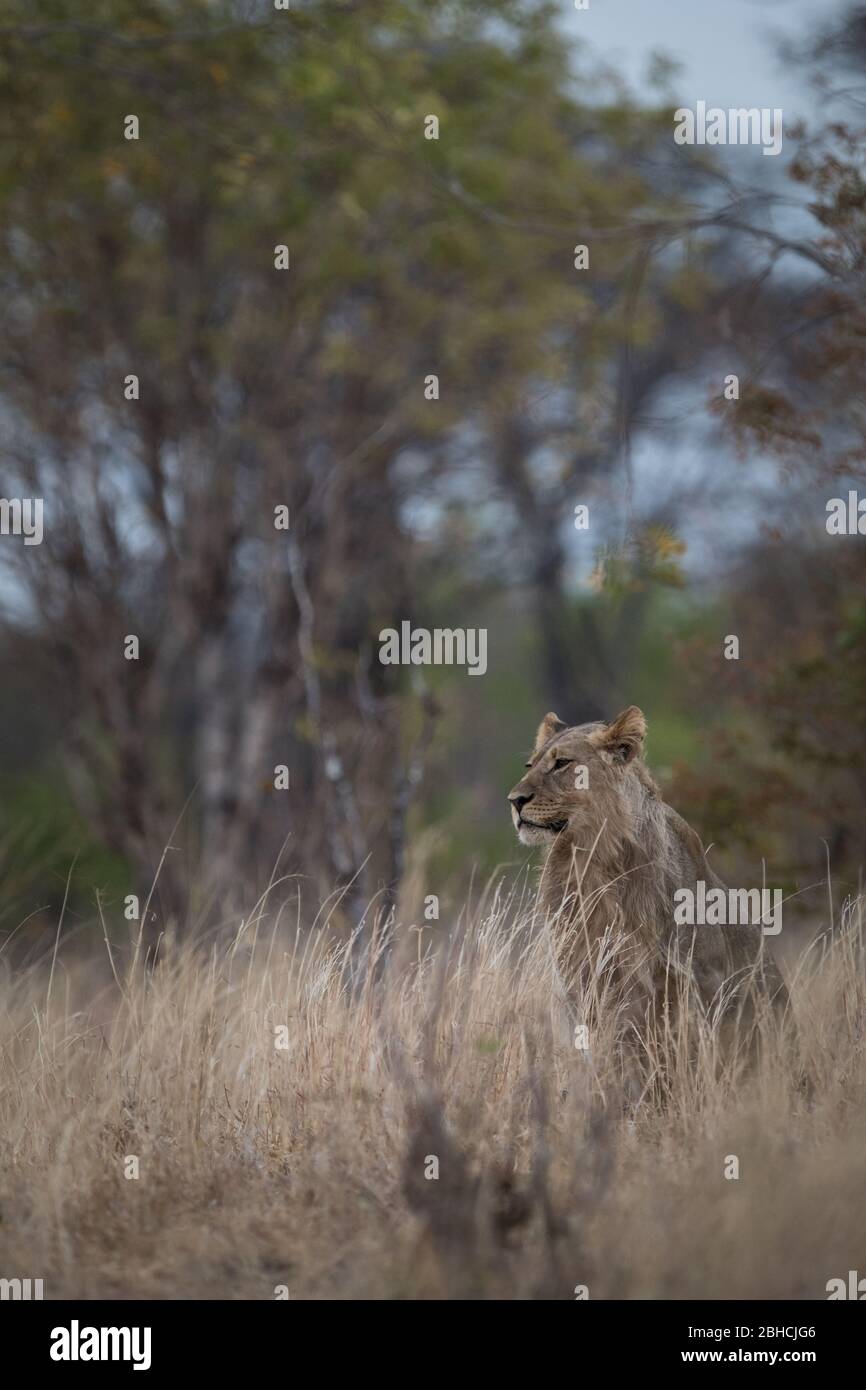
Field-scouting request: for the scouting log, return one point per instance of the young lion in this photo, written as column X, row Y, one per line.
column 616, row 854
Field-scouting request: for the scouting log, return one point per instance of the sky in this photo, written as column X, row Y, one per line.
column 726, row 47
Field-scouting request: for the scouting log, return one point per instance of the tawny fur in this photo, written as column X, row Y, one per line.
column 616, row 854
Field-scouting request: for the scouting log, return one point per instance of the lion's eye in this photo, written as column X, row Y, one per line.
column 562, row 762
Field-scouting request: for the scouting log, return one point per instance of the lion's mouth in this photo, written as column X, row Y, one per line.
column 554, row 826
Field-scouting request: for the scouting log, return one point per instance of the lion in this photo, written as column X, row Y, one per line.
column 616, row 855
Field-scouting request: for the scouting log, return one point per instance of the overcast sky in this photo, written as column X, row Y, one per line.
column 726, row 47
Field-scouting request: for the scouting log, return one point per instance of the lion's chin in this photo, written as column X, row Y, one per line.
column 537, row 834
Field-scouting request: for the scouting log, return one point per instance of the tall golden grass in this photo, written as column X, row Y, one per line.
column 308, row 1167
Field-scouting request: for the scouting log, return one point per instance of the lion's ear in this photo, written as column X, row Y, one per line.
column 623, row 737
column 551, row 724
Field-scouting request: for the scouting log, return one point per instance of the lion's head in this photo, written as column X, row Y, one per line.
column 574, row 775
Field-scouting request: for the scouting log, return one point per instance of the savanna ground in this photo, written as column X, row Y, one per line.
column 298, row 1158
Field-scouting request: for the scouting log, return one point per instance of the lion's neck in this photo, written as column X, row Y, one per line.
column 624, row 869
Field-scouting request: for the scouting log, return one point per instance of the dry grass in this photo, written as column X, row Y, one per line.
column 305, row 1167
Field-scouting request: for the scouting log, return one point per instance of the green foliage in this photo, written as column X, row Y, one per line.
column 44, row 840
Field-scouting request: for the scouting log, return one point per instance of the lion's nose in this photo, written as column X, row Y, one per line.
column 518, row 800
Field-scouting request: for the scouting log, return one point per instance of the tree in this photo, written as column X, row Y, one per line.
column 790, row 757
column 235, row 259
